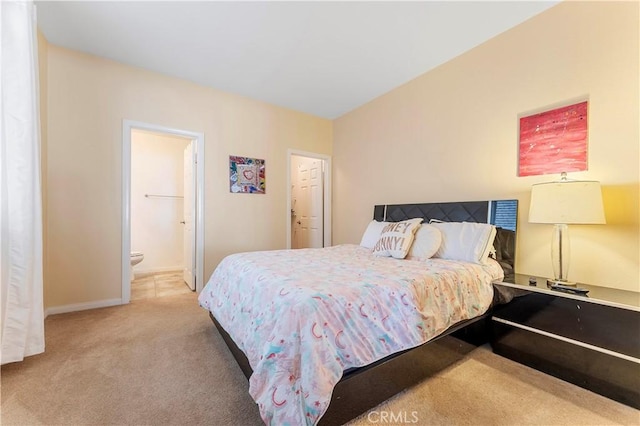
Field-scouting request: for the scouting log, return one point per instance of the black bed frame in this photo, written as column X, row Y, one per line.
column 361, row 389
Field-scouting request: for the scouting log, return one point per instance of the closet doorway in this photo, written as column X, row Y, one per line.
column 162, row 215
column 308, row 200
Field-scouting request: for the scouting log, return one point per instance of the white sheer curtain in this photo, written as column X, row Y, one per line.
column 21, row 310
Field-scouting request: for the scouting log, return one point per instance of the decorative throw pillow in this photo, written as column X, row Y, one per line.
column 426, row 242
column 396, row 238
column 372, row 233
column 466, row 241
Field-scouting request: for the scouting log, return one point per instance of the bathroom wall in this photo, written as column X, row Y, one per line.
column 157, row 168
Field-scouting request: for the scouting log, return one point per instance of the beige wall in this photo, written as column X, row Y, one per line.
column 157, row 168
column 88, row 97
column 451, row 135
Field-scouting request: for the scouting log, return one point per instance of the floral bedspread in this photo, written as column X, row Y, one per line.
column 304, row 316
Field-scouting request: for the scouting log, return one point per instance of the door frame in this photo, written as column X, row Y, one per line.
column 326, row 167
column 198, row 138
column 191, row 208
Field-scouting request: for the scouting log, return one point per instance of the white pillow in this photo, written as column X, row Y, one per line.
column 426, row 242
column 466, row 241
column 372, row 234
column 396, row 238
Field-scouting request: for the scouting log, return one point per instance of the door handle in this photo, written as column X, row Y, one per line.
column 183, row 222
column 299, row 223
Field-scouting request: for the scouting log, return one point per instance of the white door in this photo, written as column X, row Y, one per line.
column 308, row 198
column 295, row 221
column 189, row 233
column 302, row 206
column 316, row 207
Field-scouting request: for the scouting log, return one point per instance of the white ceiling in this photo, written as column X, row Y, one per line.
column 323, row 58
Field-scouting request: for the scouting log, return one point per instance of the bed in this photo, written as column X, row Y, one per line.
column 314, row 330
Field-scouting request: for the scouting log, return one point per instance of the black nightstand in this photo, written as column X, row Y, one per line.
column 592, row 341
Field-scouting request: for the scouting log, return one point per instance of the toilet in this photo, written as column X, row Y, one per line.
column 136, row 257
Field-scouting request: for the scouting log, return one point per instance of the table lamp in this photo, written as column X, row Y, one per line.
column 561, row 203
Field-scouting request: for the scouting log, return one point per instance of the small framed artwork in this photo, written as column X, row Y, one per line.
column 246, row 175
column 553, row 141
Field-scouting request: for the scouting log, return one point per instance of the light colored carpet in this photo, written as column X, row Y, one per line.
column 161, row 362
column 487, row 389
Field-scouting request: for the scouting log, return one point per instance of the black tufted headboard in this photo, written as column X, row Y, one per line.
column 502, row 213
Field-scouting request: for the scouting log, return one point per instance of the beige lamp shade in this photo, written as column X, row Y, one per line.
column 567, row 202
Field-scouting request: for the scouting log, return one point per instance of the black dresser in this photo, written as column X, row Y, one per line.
column 590, row 340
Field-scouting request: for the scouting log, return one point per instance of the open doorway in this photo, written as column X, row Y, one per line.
column 162, row 211
column 162, row 239
column 308, row 200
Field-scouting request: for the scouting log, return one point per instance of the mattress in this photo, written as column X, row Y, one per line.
column 303, row 317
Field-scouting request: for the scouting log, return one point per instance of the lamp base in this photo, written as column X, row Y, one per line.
column 561, row 282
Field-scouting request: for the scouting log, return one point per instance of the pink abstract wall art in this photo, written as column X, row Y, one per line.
column 553, row 141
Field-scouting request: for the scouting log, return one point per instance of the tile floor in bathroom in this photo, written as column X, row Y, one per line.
column 158, row 284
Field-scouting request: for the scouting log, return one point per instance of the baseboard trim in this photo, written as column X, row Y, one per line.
column 53, row 310
column 139, row 271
